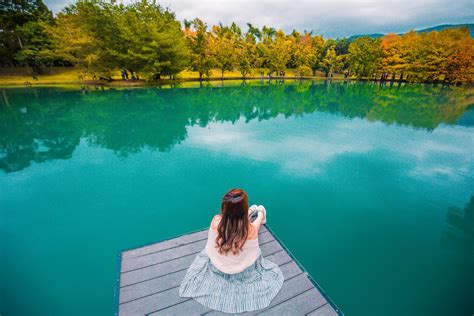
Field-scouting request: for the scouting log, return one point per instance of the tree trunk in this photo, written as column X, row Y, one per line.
column 5, row 98
column 222, row 73
column 19, row 41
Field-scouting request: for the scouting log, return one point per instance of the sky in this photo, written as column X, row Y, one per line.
column 336, row 18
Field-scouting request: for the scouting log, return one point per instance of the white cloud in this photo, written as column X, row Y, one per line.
column 306, row 146
column 331, row 18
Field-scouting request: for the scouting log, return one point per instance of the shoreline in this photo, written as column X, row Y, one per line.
column 118, row 83
column 144, row 83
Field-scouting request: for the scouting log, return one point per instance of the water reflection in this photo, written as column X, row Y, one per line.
column 459, row 230
column 48, row 123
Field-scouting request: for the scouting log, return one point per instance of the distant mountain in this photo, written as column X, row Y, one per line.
column 438, row 28
column 375, row 35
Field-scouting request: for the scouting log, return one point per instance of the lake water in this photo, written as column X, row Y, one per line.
column 371, row 187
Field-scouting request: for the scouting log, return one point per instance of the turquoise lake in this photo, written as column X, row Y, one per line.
column 370, row 186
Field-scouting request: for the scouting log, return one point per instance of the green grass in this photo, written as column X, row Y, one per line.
column 61, row 76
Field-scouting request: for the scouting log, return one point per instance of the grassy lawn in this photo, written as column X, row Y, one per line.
column 66, row 75
column 71, row 76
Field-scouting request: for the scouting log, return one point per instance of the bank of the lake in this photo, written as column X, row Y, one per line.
column 22, row 76
column 370, row 186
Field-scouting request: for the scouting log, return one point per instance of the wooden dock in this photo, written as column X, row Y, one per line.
column 150, row 276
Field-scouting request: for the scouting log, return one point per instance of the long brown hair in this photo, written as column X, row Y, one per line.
column 233, row 228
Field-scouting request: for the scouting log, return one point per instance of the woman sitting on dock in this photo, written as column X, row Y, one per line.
column 230, row 274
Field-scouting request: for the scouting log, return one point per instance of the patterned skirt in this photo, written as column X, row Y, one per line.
column 249, row 290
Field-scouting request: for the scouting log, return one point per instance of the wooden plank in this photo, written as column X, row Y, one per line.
column 290, row 289
column 325, row 310
column 162, row 256
column 151, row 287
column 270, row 248
column 151, row 303
column 155, row 271
column 171, row 243
column 280, row 257
column 188, row 307
column 298, row 305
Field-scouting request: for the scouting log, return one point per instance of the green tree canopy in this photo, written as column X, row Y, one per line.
column 365, row 56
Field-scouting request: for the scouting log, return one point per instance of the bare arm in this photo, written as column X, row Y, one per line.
column 215, row 222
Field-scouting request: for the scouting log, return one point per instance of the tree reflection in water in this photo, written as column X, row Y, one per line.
column 39, row 124
column 459, row 230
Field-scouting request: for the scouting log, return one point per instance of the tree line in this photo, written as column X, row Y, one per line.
column 100, row 37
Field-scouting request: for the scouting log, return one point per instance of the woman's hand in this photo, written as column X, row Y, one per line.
column 253, row 213
column 261, row 209
column 261, row 216
column 252, row 208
